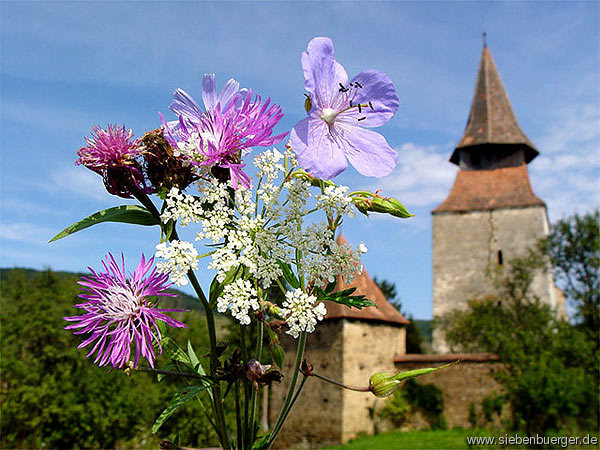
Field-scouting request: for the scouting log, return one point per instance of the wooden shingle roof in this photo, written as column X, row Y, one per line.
column 492, row 119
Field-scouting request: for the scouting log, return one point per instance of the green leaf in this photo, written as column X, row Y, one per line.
column 278, row 355
column 261, row 442
column 170, row 347
column 198, row 367
column 182, row 396
column 193, row 358
column 216, row 288
column 288, row 274
column 345, row 297
column 133, row 214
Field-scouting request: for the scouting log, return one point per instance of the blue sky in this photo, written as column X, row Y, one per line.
column 68, row 66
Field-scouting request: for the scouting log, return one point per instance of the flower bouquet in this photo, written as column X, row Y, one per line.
column 274, row 232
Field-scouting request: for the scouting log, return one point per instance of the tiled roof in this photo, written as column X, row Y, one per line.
column 364, row 285
column 481, row 190
column 492, row 119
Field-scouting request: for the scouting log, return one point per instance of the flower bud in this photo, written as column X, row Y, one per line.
column 367, row 202
column 383, row 384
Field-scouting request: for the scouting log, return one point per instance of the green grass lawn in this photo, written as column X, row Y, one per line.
column 447, row 439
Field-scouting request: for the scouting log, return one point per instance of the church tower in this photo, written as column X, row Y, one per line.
column 491, row 214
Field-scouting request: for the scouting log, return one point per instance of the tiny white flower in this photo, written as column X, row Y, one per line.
column 238, row 297
column 300, row 312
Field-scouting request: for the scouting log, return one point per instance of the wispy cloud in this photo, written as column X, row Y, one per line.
column 567, row 173
column 26, row 232
column 79, row 182
column 422, row 178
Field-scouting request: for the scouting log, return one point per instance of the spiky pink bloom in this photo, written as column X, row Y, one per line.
column 119, row 312
column 234, row 121
column 113, row 154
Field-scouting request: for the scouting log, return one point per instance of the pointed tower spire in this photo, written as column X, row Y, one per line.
column 492, row 126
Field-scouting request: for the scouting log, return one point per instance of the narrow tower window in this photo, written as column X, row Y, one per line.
column 500, row 258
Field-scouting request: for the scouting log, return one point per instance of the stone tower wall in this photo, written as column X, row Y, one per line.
column 465, row 248
column 349, row 351
column 317, row 415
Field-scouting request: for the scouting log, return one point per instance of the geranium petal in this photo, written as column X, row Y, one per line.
column 377, row 89
column 209, row 91
column 316, row 149
column 368, row 151
column 321, row 71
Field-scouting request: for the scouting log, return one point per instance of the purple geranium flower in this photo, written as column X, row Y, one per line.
column 113, row 154
column 232, row 123
column 333, row 130
column 118, row 311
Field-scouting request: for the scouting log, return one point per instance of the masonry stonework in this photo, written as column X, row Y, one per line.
column 468, row 246
column 462, row 384
column 348, row 351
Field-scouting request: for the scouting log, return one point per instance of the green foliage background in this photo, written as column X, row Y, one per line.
column 550, row 367
column 54, row 397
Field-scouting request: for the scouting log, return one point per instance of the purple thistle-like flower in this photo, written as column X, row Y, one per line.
column 112, row 154
column 334, row 129
column 119, row 312
column 234, row 121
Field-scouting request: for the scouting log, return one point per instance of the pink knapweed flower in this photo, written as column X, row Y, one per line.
column 233, row 122
column 113, row 154
column 339, row 111
column 119, row 311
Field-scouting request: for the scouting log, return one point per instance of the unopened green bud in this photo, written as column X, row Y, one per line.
column 367, row 202
column 383, row 384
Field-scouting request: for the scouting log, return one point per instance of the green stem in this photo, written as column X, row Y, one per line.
column 289, row 396
column 238, row 419
column 175, row 373
column 216, row 389
column 292, row 403
column 345, row 386
column 244, row 382
column 254, row 393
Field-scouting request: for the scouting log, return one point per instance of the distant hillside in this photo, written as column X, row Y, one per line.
column 183, row 301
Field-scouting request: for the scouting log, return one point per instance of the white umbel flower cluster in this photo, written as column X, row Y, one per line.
column 184, row 208
column 335, row 202
column 239, row 297
column 180, row 256
column 300, row 312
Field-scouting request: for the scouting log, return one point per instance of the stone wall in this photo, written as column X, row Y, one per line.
column 467, row 245
column 369, row 348
column 345, row 350
column 317, row 415
column 469, row 381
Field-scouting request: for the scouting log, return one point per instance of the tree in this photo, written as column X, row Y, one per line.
column 53, row 397
column 549, row 367
column 574, row 248
column 414, row 339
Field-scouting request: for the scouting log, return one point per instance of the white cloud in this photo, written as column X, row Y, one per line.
column 26, row 232
column 572, row 128
column 423, row 176
column 78, row 181
column 566, row 175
